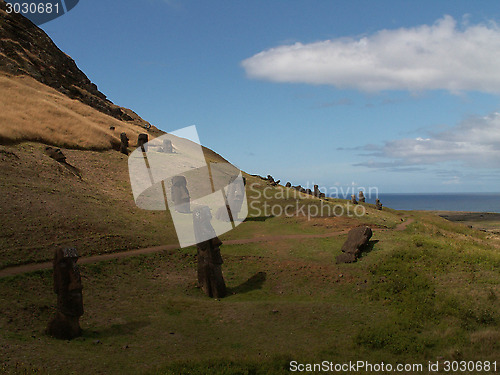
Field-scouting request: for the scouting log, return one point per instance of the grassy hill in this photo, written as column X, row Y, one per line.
column 427, row 289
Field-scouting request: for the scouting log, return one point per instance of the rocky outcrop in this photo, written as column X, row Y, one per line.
column 25, row 49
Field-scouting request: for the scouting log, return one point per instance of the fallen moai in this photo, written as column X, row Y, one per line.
column 357, row 239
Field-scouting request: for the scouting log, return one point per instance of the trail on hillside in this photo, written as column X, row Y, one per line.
column 25, row 268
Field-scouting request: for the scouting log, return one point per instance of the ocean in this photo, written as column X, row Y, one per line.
column 472, row 202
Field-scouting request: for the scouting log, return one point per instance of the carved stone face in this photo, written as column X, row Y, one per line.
column 68, row 283
column 180, row 194
column 203, row 229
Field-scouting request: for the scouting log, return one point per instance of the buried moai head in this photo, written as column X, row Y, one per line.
column 124, row 143
column 180, row 194
column 68, row 283
column 142, row 139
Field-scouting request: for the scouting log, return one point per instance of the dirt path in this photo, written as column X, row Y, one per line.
column 16, row 270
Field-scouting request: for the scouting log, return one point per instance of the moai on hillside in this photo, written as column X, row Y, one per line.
column 68, row 287
column 316, row 191
column 270, row 178
column 309, row 191
column 142, row 139
column 56, row 154
column 378, row 205
column 235, row 197
column 361, row 196
column 288, row 184
column 167, row 146
column 124, row 143
column 180, row 195
column 210, row 277
column 357, row 239
column 353, row 199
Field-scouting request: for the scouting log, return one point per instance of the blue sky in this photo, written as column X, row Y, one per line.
column 398, row 95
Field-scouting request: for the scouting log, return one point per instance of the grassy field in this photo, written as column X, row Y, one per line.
column 425, row 292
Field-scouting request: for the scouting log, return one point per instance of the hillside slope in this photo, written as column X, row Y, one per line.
column 25, row 49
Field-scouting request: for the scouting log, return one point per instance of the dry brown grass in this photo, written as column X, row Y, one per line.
column 32, row 111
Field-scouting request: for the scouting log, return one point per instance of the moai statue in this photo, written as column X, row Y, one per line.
column 167, row 146
column 378, row 205
column 288, row 184
column 357, row 240
column 316, row 190
column 180, row 195
column 56, row 154
column 270, row 178
column 353, row 199
column 361, row 197
column 68, row 287
column 235, row 196
column 210, row 277
column 142, row 139
column 124, row 143
column 309, row 191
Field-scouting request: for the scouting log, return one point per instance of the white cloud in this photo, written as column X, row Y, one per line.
column 475, row 142
column 440, row 56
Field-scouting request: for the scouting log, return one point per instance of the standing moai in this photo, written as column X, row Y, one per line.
column 316, row 191
column 288, row 184
column 361, row 196
column 167, row 146
column 124, row 143
column 210, row 277
column 68, row 287
column 180, row 195
column 353, row 199
column 235, row 196
column 142, row 139
column 378, row 205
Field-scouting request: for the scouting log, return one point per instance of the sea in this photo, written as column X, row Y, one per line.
column 470, row 202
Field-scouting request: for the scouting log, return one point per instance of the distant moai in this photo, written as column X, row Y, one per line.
column 142, row 139
column 210, row 277
column 180, row 195
column 124, row 143
column 353, row 199
column 288, row 184
column 361, row 196
column 167, row 146
column 378, row 205
column 316, row 191
column 309, row 191
column 68, row 287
